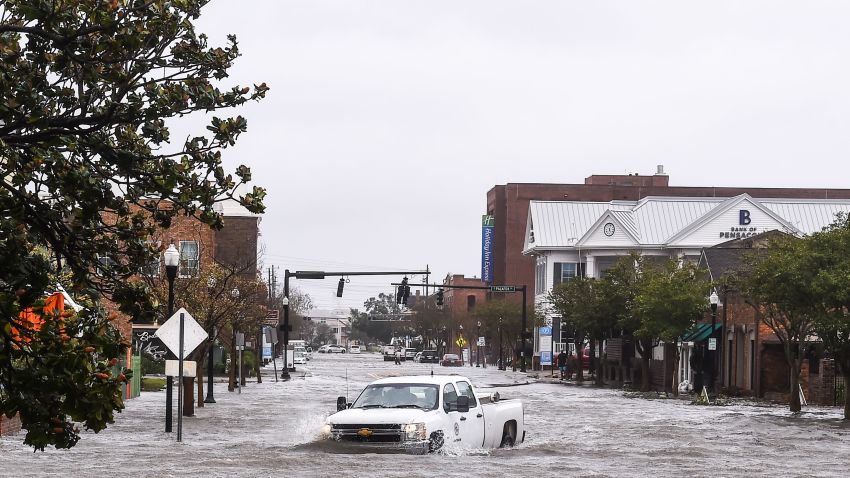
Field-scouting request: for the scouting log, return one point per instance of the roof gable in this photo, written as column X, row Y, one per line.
column 737, row 217
column 612, row 229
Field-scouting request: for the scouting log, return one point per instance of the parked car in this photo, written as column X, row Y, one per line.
column 409, row 354
column 324, row 349
column 451, row 360
column 354, row 349
column 300, row 358
column 429, row 356
column 336, row 349
column 421, row 414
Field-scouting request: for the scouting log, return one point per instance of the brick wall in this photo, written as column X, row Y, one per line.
column 822, row 386
column 9, row 426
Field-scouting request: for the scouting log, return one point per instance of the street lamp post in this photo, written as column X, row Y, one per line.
column 712, row 299
column 478, row 346
column 172, row 260
column 501, row 358
column 210, row 398
column 284, row 373
column 236, row 345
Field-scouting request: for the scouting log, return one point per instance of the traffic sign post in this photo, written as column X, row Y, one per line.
column 182, row 334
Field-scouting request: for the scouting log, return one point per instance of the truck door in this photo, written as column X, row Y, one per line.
column 472, row 422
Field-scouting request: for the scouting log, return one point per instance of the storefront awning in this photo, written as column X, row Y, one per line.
column 699, row 333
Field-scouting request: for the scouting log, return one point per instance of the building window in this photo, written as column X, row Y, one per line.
column 540, row 278
column 188, row 258
column 152, row 269
column 565, row 271
column 104, row 264
column 470, row 303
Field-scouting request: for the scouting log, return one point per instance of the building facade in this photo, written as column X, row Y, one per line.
column 566, row 239
column 339, row 321
column 509, row 205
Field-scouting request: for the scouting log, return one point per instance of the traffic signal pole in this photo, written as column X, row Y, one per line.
column 321, row 275
column 495, row 288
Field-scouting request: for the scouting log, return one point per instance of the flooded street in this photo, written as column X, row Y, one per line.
column 271, row 429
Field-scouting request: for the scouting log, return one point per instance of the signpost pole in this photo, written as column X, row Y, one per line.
column 180, row 385
column 272, row 335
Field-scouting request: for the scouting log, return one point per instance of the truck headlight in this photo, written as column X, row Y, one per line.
column 326, row 430
column 415, row 431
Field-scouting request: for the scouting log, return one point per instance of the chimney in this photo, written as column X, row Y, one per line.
column 660, row 171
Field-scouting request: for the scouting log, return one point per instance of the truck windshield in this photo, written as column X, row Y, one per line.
column 398, row 395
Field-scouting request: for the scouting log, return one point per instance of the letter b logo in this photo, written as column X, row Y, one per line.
column 744, row 217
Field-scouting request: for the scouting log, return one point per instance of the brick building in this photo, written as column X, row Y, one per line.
column 509, row 203
column 461, row 304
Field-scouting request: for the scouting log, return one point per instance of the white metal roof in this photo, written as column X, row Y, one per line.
column 659, row 221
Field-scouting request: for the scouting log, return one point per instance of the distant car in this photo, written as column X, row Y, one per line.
column 336, row 349
column 354, row 349
column 409, row 354
column 429, row 356
column 451, row 360
column 324, row 349
column 300, row 358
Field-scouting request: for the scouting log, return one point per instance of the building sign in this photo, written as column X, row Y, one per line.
column 712, row 343
column 739, row 232
column 146, row 343
column 545, row 334
column 488, row 223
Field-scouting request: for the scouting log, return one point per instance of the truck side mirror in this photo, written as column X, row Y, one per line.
column 340, row 404
column 463, row 404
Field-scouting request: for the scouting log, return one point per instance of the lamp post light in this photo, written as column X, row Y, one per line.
column 478, row 346
column 712, row 300
column 172, row 260
column 210, row 398
column 235, row 295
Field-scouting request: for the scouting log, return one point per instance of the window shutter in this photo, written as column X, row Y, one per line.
column 557, row 279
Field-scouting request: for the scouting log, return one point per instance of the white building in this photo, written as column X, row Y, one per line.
column 570, row 238
column 339, row 320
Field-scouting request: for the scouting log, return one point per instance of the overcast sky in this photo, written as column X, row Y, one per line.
column 388, row 121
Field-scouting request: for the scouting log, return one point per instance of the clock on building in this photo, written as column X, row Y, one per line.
column 609, row 229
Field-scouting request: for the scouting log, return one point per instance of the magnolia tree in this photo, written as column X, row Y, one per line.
column 87, row 166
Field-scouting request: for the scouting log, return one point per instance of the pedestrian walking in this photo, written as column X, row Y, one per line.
column 398, row 356
column 562, row 363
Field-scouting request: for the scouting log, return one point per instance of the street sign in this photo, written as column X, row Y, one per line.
column 481, row 342
column 461, row 342
column 172, row 368
column 502, row 288
column 712, row 343
column 272, row 314
column 193, row 333
column 271, row 322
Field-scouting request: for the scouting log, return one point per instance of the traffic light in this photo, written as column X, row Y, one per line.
column 405, row 291
column 339, row 287
column 440, row 297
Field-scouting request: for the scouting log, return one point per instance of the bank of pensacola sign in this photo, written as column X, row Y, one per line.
column 743, row 229
column 488, row 223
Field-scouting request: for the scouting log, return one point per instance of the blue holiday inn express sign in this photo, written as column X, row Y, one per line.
column 487, row 235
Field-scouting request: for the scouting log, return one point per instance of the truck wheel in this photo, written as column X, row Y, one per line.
column 508, row 435
column 435, row 442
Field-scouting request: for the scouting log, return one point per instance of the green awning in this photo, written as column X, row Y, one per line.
column 699, row 333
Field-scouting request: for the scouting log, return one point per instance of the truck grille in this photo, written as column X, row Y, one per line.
column 368, row 433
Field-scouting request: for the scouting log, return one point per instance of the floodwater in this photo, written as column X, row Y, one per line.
column 271, row 428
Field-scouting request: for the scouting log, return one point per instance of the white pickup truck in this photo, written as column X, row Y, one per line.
column 425, row 413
